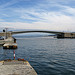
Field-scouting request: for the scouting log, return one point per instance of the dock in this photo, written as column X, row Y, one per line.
column 10, row 46
column 16, row 67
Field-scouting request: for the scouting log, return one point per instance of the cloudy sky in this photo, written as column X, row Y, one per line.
column 57, row 15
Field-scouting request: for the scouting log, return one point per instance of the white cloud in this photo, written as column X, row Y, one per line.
column 56, row 21
column 59, row 23
column 28, row 17
column 69, row 10
column 11, row 2
column 44, row 19
column 2, row 20
column 5, row 15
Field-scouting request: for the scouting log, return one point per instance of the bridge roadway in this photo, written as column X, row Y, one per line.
column 58, row 34
column 53, row 32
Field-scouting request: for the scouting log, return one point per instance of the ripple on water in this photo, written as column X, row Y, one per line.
column 48, row 56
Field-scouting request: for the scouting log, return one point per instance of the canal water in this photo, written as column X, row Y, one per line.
column 48, row 56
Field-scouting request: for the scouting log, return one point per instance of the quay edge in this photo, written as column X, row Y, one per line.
column 16, row 67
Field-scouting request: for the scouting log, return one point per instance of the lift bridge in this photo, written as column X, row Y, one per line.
column 12, row 41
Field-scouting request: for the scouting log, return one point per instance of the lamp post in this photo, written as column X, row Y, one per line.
column 6, row 33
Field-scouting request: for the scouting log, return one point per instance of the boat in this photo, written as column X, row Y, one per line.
column 10, row 46
column 10, row 43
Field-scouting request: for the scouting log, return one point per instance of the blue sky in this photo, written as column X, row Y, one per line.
column 57, row 15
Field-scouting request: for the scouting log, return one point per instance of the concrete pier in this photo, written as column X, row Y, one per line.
column 66, row 35
column 16, row 67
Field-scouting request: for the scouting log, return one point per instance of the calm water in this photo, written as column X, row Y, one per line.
column 48, row 56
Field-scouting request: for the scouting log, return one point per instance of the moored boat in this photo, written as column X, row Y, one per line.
column 10, row 46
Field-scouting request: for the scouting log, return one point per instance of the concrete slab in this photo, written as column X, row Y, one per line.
column 15, row 67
